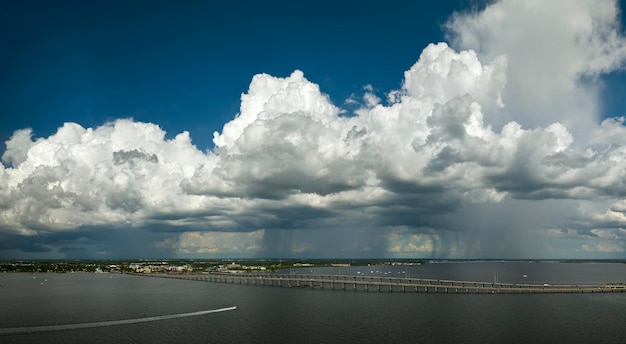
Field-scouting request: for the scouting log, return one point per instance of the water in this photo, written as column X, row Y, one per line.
column 281, row 315
column 504, row 272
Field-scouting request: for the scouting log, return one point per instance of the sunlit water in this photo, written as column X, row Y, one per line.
column 282, row 315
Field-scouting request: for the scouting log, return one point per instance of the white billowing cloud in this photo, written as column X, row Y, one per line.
column 610, row 132
column 269, row 97
column 112, row 175
column 555, row 52
column 445, row 74
column 17, row 147
column 287, row 138
column 431, row 171
column 370, row 98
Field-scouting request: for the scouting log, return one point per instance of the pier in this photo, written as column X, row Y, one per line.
column 387, row 284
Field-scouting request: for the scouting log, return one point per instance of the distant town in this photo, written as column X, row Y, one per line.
column 179, row 266
column 189, row 266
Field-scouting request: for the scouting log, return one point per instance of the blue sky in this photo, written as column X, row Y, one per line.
column 184, row 66
column 455, row 129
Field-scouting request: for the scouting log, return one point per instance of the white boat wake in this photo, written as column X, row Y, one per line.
column 31, row 329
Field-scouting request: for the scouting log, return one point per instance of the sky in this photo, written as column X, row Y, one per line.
column 460, row 129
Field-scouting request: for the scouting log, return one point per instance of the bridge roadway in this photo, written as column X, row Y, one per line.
column 389, row 284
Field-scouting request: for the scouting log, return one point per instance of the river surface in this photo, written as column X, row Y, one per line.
column 112, row 308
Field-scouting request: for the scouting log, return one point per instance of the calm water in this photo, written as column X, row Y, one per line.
column 275, row 315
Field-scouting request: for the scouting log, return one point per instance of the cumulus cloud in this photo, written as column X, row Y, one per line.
column 555, row 50
column 480, row 152
column 17, row 147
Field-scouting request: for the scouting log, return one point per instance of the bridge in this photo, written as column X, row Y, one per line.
column 387, row 284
